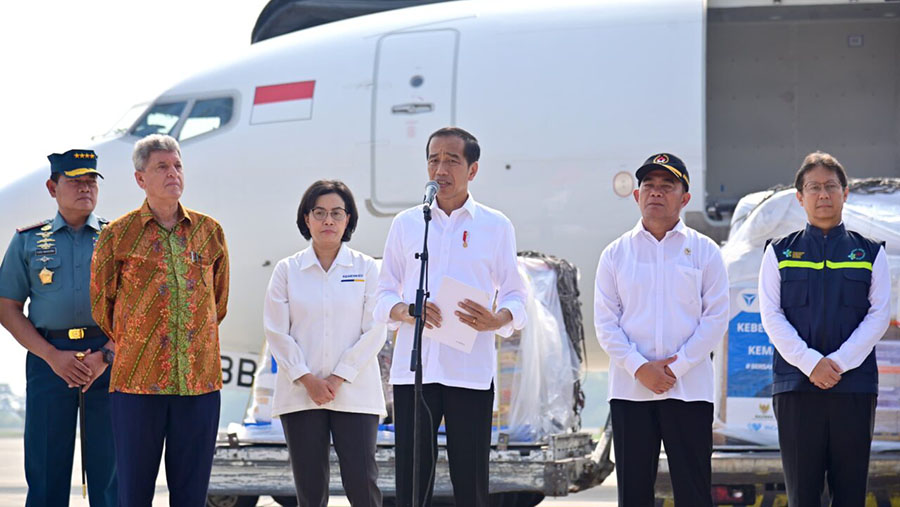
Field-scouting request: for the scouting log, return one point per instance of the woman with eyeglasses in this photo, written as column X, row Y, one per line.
column 318, row 322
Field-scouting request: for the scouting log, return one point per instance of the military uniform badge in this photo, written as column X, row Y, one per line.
column 46, row 276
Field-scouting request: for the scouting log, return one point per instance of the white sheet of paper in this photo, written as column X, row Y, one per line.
column 453, row 332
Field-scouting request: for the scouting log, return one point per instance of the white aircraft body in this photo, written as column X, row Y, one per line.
column 567, row 99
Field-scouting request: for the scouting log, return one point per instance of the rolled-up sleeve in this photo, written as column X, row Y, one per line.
column 390, row 281
column 512, row 291
column 277, row 325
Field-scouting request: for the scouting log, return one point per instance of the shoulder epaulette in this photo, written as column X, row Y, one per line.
column 34, row 226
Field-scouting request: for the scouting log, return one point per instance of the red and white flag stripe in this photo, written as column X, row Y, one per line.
column 283, row 102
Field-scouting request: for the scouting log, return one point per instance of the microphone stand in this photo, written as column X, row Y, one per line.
column 415, row 364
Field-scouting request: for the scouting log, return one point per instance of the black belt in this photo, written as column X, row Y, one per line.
column 75, row 333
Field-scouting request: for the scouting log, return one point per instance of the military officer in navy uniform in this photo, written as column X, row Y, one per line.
column 824, row 298
column 49, row 263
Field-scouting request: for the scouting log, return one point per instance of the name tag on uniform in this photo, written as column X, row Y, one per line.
column 353, row 278
column 45, row 251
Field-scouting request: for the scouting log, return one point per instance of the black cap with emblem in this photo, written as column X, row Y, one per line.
column 665, row 162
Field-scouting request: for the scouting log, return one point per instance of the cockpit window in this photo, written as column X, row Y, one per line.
column 207, row 115
column 160, row 119
column 124, row 123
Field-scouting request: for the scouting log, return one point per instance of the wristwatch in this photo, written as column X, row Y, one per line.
column 108, row 355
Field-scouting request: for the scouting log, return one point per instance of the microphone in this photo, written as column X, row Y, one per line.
column 431, row 189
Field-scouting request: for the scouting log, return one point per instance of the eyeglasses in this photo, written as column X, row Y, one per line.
column 818, row 188
column 337, row 214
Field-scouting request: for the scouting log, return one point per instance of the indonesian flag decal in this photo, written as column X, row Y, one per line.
column 283, row 102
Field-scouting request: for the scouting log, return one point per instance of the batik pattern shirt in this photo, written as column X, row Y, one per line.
column 160, row 295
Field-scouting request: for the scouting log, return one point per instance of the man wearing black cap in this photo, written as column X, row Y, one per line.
column 660, row 308
column 50, row 264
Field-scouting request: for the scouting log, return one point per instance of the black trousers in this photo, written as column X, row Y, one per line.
column 467, row 417
column 686, row 430
column 307, row 434
column 187, row 425
column 821, row 435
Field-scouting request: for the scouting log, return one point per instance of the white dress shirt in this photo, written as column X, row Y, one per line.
column 655, row 299
column 321, row 323
column 789, row 344
column 486, row 260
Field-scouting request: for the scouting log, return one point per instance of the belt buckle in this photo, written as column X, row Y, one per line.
column 76, row 333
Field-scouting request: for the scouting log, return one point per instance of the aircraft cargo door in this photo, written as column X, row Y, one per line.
column 414, row 95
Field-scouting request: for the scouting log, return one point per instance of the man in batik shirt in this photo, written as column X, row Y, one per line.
column 159, row 289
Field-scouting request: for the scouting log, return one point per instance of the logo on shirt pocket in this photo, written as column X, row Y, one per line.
column 353, row 278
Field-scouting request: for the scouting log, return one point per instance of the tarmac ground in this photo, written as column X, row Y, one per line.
column 13, row 488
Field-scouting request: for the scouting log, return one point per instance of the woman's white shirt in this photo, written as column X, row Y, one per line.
column 321, row 323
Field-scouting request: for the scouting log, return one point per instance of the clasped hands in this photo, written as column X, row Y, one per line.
column 826, row 374
column 470, row 313
column 321, row 391
column 76, row 372
column 656, row 375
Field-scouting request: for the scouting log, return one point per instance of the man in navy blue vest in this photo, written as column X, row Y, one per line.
column 824, row 295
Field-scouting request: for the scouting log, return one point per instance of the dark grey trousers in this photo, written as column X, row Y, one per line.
column 825, row 434
column 307, row 434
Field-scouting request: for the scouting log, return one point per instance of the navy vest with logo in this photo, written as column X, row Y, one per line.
column 825, row 295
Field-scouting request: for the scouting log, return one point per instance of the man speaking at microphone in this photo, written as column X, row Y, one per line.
column 475, row 245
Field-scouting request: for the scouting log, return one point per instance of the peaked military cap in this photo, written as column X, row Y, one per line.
column 74, row 163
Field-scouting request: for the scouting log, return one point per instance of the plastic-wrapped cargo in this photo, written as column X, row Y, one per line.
column 744, row 404
column 538, row 378
column 538, row 367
